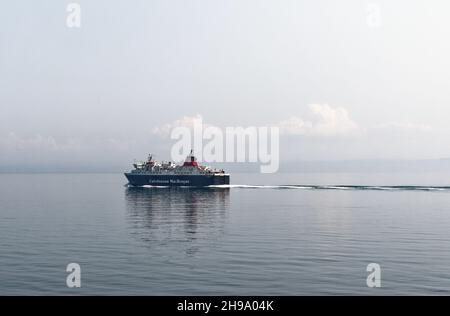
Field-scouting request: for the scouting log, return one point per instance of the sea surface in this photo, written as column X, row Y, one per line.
column 278, row 234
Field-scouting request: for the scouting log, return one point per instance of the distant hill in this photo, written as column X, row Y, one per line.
column 426, row 165
column 430, row 165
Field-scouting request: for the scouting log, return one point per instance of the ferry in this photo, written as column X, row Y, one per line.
column 190, row 174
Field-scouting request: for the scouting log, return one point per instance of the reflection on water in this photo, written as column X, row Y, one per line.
column 161, row 215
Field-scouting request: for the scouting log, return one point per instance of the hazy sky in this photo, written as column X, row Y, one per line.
column 341, row 81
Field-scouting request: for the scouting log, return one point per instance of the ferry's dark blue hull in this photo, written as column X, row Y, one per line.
column 136, row 179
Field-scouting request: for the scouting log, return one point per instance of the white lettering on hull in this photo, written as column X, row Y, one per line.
column 170, row 181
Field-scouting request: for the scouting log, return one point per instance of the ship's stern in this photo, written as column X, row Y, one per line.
column 223, row 179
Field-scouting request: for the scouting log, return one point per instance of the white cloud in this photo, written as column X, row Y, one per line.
column 13, row 142
column 185, row 121
column 324, row 121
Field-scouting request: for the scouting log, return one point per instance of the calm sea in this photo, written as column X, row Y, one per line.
column 282, row 234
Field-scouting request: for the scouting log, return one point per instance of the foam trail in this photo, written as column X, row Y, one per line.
column 337, row 187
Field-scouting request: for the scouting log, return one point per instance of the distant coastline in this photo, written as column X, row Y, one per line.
column 300, row 166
